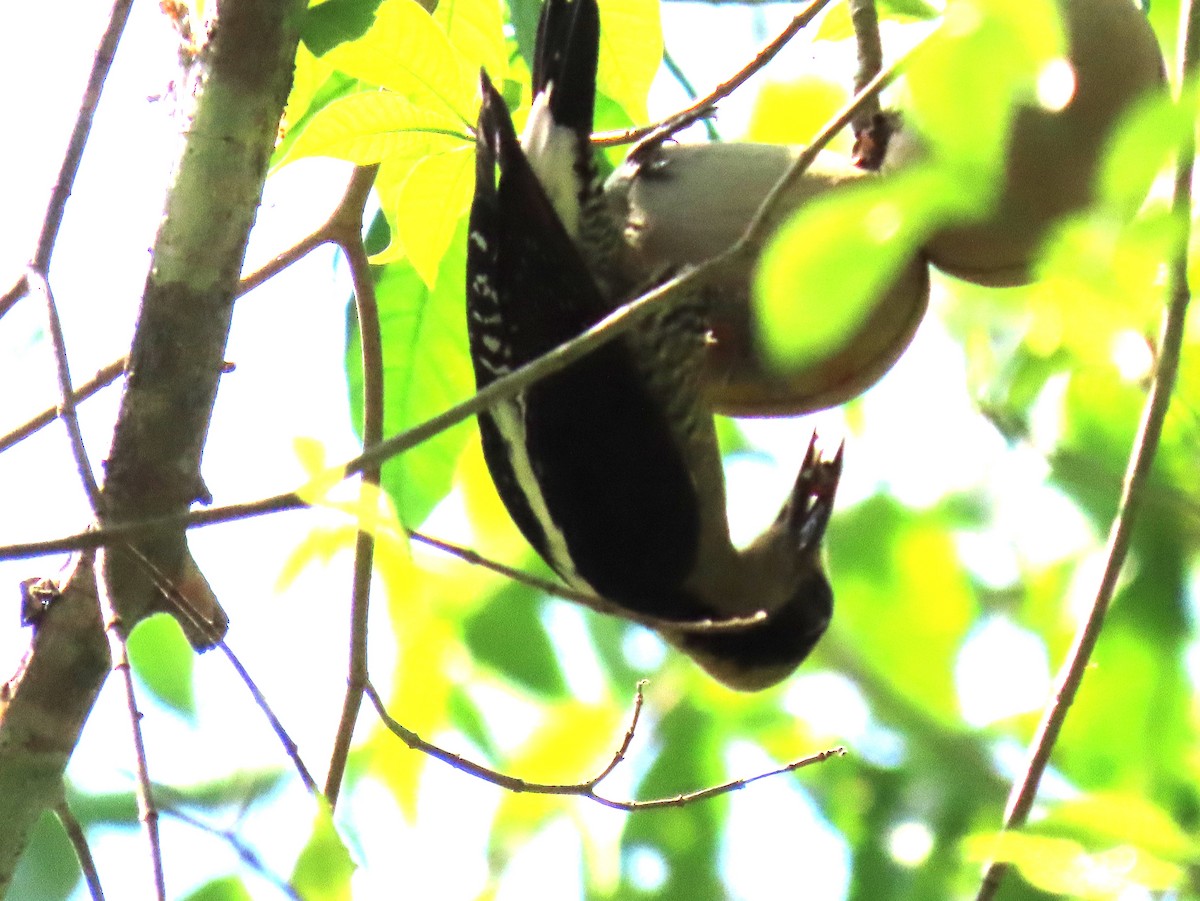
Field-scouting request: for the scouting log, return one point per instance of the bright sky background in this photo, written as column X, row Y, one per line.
column 290, row 382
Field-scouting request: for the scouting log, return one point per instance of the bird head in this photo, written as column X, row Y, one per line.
column 781, row 574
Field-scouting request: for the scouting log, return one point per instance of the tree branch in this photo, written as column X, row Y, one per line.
column 584, row 789
column 83, row 853
column 348, row 223
column 706, row 105
column 504, row 388
column 175, row 364
column 106, row 50
column 1137, row 475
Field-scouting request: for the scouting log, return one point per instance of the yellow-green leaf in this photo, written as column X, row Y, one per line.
column 319, row 545
column 1144, row 139
column 322, row 477
column 572, row 744
column 311, row 73
column 1097, row 276
column 228, row 888
column 792, row 112
column 163, row 660
column 370, row 126
column 324, row 869
column 430, row 661
column 631, row 48
column 826, row 268
column 476, row 29
column 1113, row 817
column 407, row 52
column 964, row 109
column 429, row 205
column 1062, row 866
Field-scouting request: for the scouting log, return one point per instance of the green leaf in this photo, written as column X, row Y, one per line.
column 524, row 15
column 467, row 717
column 408, row 53
column 965, row 81
column 911, row 9
column 476, row 29
column 163, row 660
column 906, row 610
column 430, row 205
column 367, row 127
column 827, row 267
column 1149, row 132
column 119, row 809
column 1063, row 866
column 631, row 49
column 228, row 888
column 336, row 21
column 48, row 869
column 324, row 869
column 426, row 370
column 507, row 634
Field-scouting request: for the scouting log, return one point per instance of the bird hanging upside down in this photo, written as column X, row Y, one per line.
column 610, row 467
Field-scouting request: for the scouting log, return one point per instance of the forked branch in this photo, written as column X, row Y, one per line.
column 588, row 788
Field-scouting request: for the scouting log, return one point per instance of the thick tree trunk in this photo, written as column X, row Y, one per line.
column 238, row 86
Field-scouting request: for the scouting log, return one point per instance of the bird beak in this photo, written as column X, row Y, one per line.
column 807, row 511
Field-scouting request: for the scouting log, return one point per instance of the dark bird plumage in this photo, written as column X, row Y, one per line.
column 610, row 467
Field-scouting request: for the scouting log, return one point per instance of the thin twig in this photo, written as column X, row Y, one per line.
column 685, row 83
column 760, row 225
column 705, row 106
column 184, row 611
column 83, row 466
column 116, row 368
column 1137, row 475
column 349, row 237
column 322, row 235
column 102, row 379
column 474, row 558
column 289, row 745
column 115, row 631
column 52, row 221
column 83, row 852
column 587, row 599
column 504, row 388
column 101, row 64
column 865, row 20
column 639, row 698
column 245, row 853
column 586, row 789
column 292, row 255
column 38, row 285
column 15, row 292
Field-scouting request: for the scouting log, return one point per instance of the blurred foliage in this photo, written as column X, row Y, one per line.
column 982, row 476
column 226, row 889
column 323, row 871
column 164, row 662
column 909, row 603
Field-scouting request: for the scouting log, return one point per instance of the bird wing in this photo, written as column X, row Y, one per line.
column 586, row 460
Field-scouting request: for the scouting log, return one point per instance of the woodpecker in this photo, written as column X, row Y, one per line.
column 610, row 467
